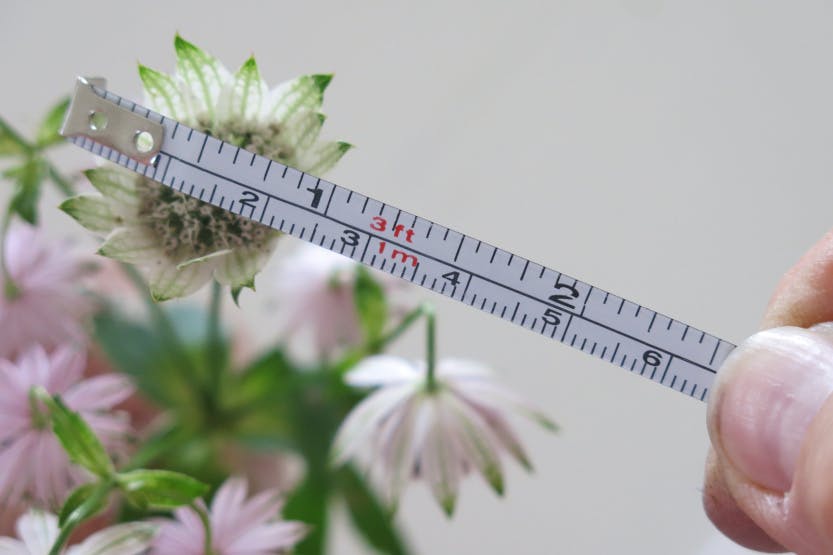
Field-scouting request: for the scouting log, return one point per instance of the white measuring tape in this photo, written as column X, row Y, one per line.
column 386, row 238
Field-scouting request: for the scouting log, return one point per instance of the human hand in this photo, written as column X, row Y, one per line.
column 769, row 475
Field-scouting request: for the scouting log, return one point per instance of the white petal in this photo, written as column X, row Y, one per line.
column 131, row 538
column 478, row 442
column 8, row 546
column 38, row 530
column 490, row 393
column 441, row 460
column 133, row 245
column 361, row 423
column 379, row 370
column 462, row 368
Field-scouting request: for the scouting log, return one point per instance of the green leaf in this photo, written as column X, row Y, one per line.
column 83, row 497
column 160, row 489
column 11, row 144
column 77, row 438
column 148, row 356
column 371, row 304
column 27, row 179
column 49, row 130
column 163, row 93
column 367, row 513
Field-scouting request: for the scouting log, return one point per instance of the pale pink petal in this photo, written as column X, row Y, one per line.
column 9, row 546
column 38, row 530
column 268, row 538
column 381, row 370
column 99, row 393
column 360, row 425
column 226, row 508
column 132, row 538
column 459, row 368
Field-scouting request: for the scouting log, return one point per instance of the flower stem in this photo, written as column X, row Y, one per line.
column 206, row 524
column 10, row 288
column 61, row 182
column 430, row 348
column 160, row 318
column 214, row 359
column 90, row 507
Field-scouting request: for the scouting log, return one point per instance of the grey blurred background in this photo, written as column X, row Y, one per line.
column 676, row 153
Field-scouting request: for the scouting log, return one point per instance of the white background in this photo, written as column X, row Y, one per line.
column 676, row 153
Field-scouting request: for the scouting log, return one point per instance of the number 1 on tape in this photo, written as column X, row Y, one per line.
column 391, row 240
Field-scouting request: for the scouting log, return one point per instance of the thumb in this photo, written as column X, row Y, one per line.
column 769, row 420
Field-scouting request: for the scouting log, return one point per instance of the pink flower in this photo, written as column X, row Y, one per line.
column 33, row 465
column 238, row 526
column 315, row 290
column 410, row 431
column 47, row 306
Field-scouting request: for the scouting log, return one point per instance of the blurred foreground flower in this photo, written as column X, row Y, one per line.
column 414, row 427
column 42, row 302
column 38, row 530
column 315, row 290
column 238, row 526
column 181, row 242
column 33, row 465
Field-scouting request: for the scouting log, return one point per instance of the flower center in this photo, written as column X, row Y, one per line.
column 188, row 228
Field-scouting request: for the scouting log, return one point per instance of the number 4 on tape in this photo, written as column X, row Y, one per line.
column 379, row 235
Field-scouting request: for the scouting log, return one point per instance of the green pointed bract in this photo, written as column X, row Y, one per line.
column 114, row 183
column 92, row 212
column 239, row 267
column 163, row 93
column 302, row 130
column 325, row 156
column 131, row 246
column 304, row 93
column 204, row 72
column 246, row 92
column 169, row 282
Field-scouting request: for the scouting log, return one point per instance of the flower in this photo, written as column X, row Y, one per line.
column 441, row 432
column 38, row 530
column 314, row 290
column 238, row 526
column 43, row 303
column 181, row 242
column 33, row 465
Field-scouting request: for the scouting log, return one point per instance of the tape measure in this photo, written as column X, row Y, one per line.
column 391, row 240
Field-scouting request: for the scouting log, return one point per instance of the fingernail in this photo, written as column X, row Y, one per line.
column 765, row 397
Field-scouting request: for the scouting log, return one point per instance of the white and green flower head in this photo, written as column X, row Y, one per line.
column 181, row 242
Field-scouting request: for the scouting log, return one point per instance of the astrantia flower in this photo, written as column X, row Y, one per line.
column 38, row 530
column 181, row 242
column 33, row 465
column 440, row 433
column 239, row 526
column 44, row 303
